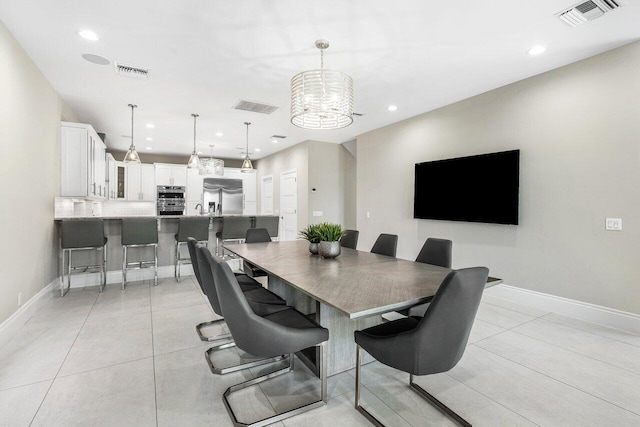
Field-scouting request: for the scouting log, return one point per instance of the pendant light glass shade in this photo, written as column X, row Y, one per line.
column 247, row 166
column 211, row 166
column 321, row 99
column 132, row 154
column 194, row 160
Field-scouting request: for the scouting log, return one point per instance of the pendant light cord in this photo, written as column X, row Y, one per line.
column 247, row 152
column 132, row 107
column 195, row 116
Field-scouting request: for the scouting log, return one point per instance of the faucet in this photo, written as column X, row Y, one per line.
column 196, row 207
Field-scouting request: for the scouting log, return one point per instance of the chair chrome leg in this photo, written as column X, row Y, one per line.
column 239, row 367
column 155, row 260
column 175, row 262
column 103, row 270
column 373, row 420
column 288, row 414
column 212, row 338
column 63, row 290
column 435, row 402
column 124, row 266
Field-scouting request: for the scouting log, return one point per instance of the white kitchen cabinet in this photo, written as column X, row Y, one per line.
column 116, row 179
column 249, row 194
column 194, row 185
column 83, row 162
column 171, row 175
column 141, row 182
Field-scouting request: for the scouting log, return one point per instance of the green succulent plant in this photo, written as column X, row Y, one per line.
column 311, row 234
column 329, row 232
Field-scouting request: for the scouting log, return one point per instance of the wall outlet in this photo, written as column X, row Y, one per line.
column 19, row 299
column 317, row 213
column 613, row 224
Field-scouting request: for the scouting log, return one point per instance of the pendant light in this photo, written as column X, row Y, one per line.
column 247, row 167
column 194, row 160
column 321, row 99
column 211, row 166
column 132, row 154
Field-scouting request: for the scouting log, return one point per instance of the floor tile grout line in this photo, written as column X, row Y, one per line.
column 63, row 361
column 385, row 404
column 561, row 382
column 153, row 355
column 516, row 311
column 103, row 367
column 576, row 352
column 592, row 332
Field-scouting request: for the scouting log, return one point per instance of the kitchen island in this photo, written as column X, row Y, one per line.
column 167, row 229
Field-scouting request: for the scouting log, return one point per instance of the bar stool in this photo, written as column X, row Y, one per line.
column 271, row 223
column 139, row 232
column 198, row 228
column 233, row 228
column 79, row 235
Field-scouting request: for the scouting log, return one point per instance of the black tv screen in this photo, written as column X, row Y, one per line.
column 482, row 188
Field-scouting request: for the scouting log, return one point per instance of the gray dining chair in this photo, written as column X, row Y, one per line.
column 431, row 344
column 349, row 239
column 284, row 332
column 434, row 252
column 261, row 301
column 386, row 244
column 247, row 284
column 255, row 235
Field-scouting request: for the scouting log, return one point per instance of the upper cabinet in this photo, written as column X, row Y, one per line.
column 83, row 162
column 141, row 182
column 171, row 175
column 116, row 173
column 194, row 185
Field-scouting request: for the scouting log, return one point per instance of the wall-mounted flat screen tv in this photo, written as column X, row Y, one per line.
column 482, row 188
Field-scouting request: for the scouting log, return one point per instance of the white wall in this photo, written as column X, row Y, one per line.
column 30, row 114
column 578, row 129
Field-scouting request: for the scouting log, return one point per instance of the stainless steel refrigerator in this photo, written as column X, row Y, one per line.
column 223, row 196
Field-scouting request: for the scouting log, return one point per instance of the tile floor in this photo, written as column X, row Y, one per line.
column 132, row 358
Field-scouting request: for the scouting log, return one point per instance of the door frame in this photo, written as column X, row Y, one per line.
column 280, row 213
column 262, row 180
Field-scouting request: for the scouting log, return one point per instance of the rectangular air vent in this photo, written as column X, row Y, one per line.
column 587, row 11
column 131, row 71
column 255, row 107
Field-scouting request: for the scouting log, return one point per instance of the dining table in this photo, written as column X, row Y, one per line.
column 343, row 294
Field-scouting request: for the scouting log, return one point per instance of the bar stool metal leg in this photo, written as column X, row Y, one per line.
column 124, row 266
column 155, row 279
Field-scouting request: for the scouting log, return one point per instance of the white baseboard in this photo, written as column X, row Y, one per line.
column 577, row 309
column 17, row 320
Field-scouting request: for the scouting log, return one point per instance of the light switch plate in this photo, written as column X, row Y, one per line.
column 317, row 213
column 613, row 224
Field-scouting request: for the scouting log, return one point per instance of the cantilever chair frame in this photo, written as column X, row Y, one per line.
column 415, row 387
column 288, row 414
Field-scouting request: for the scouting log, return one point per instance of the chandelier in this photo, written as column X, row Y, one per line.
column 321, row 99
column 211, row 166
column 132, row 154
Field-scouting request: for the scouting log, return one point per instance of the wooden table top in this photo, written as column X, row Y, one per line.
column 357, row 283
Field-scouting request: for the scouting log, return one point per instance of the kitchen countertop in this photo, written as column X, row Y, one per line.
column 154, row 216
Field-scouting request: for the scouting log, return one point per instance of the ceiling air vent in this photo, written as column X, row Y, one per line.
column 255, row 107
column 587, row 11
column 132, row 71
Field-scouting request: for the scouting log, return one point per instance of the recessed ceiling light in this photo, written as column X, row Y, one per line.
column 257, row 149
column 275, row 141
column 95, row 59
column 392, row 108
column 148, row 148
column 149, row 139
column 150, row 125
column 88, row 35
column 536, row 50
column 199, row 153
column 219, row 134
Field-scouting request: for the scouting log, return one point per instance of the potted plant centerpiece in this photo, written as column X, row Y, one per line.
column 329, row 246
column 311, row 235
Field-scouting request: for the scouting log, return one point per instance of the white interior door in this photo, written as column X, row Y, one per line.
column 289, row 205
column 266, row 195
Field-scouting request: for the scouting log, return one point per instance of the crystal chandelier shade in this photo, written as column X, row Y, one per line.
column 132, row 154
column 321, row 99
column 211, row 166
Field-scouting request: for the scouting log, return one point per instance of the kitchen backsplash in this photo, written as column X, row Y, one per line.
column 69, row 207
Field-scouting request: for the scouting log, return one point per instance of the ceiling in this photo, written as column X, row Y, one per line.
column 204, row 56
